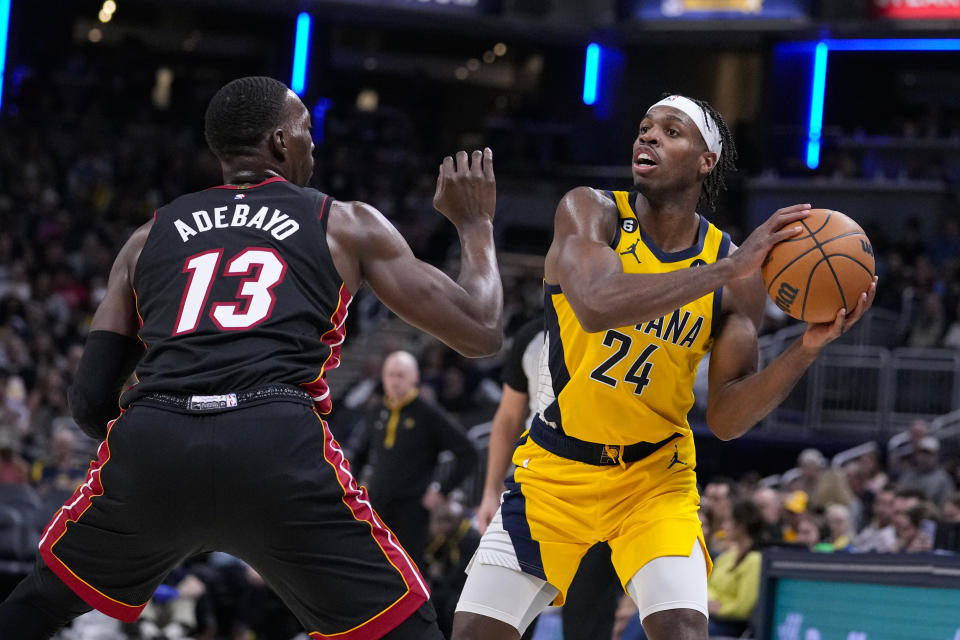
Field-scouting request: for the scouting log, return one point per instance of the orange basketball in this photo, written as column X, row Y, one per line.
column 822, row 270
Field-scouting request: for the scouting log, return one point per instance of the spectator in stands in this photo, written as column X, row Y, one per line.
column 853, row 475
column 47, row 403
column 61, row 471
column 811, row 463
column 172, row 611
column 808, row 531
column 879, row 535
column 918, row 429
column 926, row 475
column 13, row 468
column 394, row 452
column 795, row 507
column 874, row 477
column 906, row 499
column 363, row 392
column 832, row 488
column 717, row 502
column 951, row 510
column 454, row 394
column 434, row 364
column 749, row 483
column 928, row 326
column 770, row 504
column 840, row 527
column 914, row 530
column 13, row 409
column 734, row 584
column 452, row 544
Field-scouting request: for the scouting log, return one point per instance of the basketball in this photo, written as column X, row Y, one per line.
column 822, row 270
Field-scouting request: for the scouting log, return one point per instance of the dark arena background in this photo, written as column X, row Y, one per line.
column 852, row 106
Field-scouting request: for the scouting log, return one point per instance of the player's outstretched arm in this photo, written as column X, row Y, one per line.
column 739, row 396
column 466, row 314
column 112, row 349
column 603, row 297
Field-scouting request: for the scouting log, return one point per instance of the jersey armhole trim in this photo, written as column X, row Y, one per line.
column 616, row 234
column 325, row 206
column 718, row 293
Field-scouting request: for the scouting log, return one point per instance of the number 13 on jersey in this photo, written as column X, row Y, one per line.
column 256, row 296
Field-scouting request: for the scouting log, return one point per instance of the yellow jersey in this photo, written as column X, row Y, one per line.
column 634, row 383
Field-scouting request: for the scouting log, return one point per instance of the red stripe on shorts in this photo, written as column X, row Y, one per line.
column 356, row 499
column 72, row 511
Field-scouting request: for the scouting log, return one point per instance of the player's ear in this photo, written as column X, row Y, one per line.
column 277, row 144
column 708, row 160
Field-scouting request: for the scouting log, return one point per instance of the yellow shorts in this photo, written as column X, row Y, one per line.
column 555, row 509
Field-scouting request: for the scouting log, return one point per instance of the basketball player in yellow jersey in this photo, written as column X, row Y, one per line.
column 639, row 287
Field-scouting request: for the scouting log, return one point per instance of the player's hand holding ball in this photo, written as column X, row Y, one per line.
column 824, row 275
column 466, row 188
column 782, row 225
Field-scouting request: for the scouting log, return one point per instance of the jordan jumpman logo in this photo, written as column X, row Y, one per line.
column 676, row 458
column 632, row 249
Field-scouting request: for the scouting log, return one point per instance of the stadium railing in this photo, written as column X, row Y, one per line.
column 864, row 384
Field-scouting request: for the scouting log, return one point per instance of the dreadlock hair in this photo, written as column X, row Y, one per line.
column 241, row 113
column 715, row 181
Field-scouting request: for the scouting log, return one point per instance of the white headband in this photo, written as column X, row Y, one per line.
column 706, row 125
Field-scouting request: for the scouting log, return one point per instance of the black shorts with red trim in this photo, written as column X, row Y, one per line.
column 263, row 480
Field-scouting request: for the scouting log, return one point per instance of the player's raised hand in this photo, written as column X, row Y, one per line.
column 466, row 187
column 819, row 335
column 777, row 228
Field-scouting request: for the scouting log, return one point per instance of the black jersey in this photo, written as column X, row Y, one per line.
column 236, row 288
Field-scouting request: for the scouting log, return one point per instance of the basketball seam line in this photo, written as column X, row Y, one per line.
column 852, row 259
column 826, row 221
column 843, row 298
column 813, row 269
column 774, row 279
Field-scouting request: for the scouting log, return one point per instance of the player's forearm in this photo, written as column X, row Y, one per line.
column 466, row 458
column 626, row 299
column 108, row 360
column 739, row 405
column 504, row 433
column 480, row 279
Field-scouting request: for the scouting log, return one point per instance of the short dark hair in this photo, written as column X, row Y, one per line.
column 749, row 516
column 241, row 113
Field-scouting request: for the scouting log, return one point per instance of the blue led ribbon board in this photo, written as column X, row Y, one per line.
column 818, row 84
column 301, row 50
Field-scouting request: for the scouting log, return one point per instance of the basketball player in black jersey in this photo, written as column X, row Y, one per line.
column 230, row 305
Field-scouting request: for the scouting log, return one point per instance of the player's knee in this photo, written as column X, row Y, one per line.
column 676, row 624
column 473, row 626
